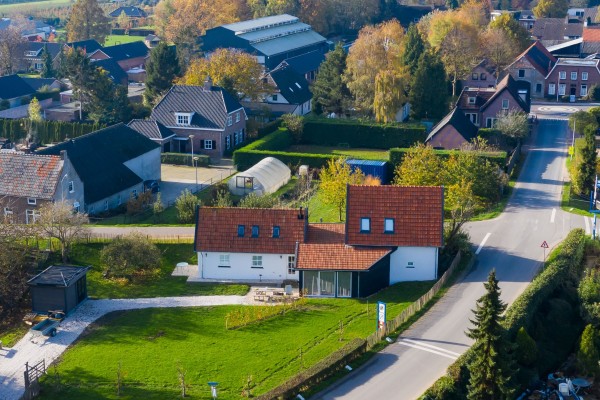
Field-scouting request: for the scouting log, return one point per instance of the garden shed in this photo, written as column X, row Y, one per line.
column 263, row 178
column 58, row 287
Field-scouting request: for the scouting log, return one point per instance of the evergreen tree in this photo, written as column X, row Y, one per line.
column 428, row 95
column 414, row 47
column 161, row 70
column 47, row 69
column 107, row 102
column 492, row 366
column 586, row 167
column 87, row 21
column 330, row 92
column 588, row 354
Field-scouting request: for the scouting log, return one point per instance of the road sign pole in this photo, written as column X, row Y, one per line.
column 544, row 246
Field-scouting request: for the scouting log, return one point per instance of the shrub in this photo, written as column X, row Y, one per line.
column 269, row 128
column 593, row 93
column 186, row 205
column 133, row 254
column 588, row 354
column 294, row 124
column 526, row 348
column 255, row 201
column 184, row 159
column 496, row 157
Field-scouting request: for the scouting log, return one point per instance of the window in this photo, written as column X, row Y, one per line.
column 254, row 230
column 183, row 119
column 235, row 138
column 584, row 76
column 583, row 91
column 562, row 75
column 257, row 262
column 291, row 265
column 490, row 122
column 237, row 116
column 8, row 211
column 410, row 264
column 31, row 216
column 71, row 187
column 208, row 144
column 274, row 97
column 473, row 117
column 552, row 89
column 224, row 261
column 241, row 230
column 228, row 142
column 276, row 231
column 561, row 89
column 475, row 76
column 471, row 100
column 344, row 284
column 521, row 73
column 229, row 120
column 505, row 104
column 105, row 205
column 365, row 225
column 134, row 193
column 388, row 225
column 573, row 76
column 538, row 88
column 76, row 206
column 483, row 76
column 31, row 201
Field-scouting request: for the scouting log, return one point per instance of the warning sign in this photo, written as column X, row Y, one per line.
column 544, row 245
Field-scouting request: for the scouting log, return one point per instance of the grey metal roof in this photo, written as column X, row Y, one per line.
column 29, row 175
column 289, row 42
column 275, row 32
column 260, row 23
column 58, row 275
column 151, row 129
column 210, row 107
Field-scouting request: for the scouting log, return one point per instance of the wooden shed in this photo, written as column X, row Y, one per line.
column 58, row 287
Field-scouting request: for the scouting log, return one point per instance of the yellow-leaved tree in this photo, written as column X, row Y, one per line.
column 335, row 178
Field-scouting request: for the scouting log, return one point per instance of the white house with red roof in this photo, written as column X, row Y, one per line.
column 392, row 234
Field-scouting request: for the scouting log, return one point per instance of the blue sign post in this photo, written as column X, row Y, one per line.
column 381, row 317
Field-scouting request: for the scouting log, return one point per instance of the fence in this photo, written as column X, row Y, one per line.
column 513, row 159
column 32, row 375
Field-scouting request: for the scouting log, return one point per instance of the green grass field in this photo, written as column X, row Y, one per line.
column 364, row 154
column 111, row 40
column 151, row 344
column 23, row 8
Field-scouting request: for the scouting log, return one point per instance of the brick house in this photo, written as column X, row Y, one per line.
column 206, row 119
column 483, row 75
column 131, row 57
column 532, row 66
column 572, row 77
column 452, row 132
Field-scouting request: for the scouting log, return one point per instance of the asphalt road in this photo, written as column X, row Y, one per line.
column 509, row 243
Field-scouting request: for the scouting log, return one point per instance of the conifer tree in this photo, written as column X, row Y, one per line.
column 492, row 365
column 330, row 92
column 414, row 47
column 161, row 70
column 47, row 69
column 429, row 90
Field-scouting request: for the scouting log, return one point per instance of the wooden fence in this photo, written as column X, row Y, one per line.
column 513, row 159
column 32, row 375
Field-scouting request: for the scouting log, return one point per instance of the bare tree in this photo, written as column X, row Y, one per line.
column 11, row 40
column 58, row 220
column 499, row 48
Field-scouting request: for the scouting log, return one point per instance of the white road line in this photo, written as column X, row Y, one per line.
column 483, row 242
column 439, row 353
column 587, row 226
column 431, row 346
column 553, row 215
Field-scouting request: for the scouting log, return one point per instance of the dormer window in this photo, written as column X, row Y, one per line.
column 471, row 100
column 184, row 119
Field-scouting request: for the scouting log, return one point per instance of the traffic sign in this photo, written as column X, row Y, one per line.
column 544, row 245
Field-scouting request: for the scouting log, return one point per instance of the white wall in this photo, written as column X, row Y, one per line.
column 424, row 264
column 146, row 166
column 274, row 267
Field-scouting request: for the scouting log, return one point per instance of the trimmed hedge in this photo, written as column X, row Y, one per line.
column 269, row 128
column 497, row 157
column 564, row 268
column 47, row 131
column 184, row 159
column 331, row 132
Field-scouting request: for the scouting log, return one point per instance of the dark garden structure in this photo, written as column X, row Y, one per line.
column 58, row 287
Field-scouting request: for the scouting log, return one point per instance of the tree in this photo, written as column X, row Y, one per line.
column 237, row 71
column 330, row 93
column 513, row 29
column 223, row 198
column 419, row 167
column 162, row 68
column 428, row 94
column 107, row 102
column 335, row 178
column 158, row 207
column 588, row 353
column 459, row 52
column 130, row 255
column 11, row 40
column 295, row 125
column 580, row 120
column 34, row 112
column 499, row 48
column 492, row 366
column 123, row 21
column 390, row 95
column 59, row 221
column 186, row 205
column 551, row 9
column 586, row 164
column 527, row 351
column 414, row 48
column 461, row 202
column 47, row 67
column 513, row 124
column 253, row 200
column 87, row 21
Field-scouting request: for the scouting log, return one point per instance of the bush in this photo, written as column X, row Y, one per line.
column 255, row 201
column 526, row 348
column 184, row 159
column 130, row 255
column 588, row 353
column 186, row 205
column 593, row 93
column 496, row 157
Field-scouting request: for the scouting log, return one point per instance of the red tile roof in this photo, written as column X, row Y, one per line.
column 217, row 230
column 29, row 175
column 591, row 34
column 325, row 250
column 417, row 212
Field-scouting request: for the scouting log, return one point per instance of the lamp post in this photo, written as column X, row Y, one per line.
column 195, row 160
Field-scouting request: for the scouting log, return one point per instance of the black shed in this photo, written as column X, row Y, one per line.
column 58, row 287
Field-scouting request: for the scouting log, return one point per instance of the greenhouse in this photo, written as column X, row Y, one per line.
column 263, row 178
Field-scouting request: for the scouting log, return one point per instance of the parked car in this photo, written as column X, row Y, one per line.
column 152, row 185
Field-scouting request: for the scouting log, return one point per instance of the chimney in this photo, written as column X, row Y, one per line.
column 300, row 214
column 207, row 84
column 63, row 154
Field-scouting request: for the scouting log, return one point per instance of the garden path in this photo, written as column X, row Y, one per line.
column 12, row 360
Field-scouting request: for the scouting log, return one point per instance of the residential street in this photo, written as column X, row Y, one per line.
column 510, row 244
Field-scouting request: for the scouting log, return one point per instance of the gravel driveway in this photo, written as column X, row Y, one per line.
column 12, row 361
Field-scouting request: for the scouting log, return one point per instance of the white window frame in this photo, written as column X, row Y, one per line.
column 33, row 214
column 32, row 201
column 574, row 75
column 8, row 211
column 257, row 262
column 490, row 122
column 237, row 116
column 551, row 89
column 562, row 75
column 584, row 76
column 228, row 142
column 183, row 119
column 229, row 120
column 208, row 144
column 507, row 104
column 71, row 186
column 291, row 265
column 474, row 120
column 583, row 90
column 224, row 261
column 562, row 89
column 134, row 192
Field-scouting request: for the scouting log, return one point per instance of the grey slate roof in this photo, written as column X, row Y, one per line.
column 37, row 83
column 151, row 129
column 53, row 48
column 459, row 121
column 29, row 175
column 58, row 275
column 556, row 29
column 126, row 51
column 89, row 45
column 99, row 158
column 131, row 12
column 114, row 70
column 210, row 107
column 307, row 62
column 291, row 85
column 12, row 86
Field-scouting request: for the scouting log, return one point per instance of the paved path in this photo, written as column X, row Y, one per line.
column 12, row 361
column 510, row 244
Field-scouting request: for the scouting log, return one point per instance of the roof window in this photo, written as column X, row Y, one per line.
column 365, row 225
column 241, row 230
column 276, row 231
column 254, row 231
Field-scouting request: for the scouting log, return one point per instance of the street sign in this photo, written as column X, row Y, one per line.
column 544, row 245
column 381, row 308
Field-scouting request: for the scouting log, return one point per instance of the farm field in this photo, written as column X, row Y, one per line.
column 151, row 344
column 19, row 8
column 364, row 154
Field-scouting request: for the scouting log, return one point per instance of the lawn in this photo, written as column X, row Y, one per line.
column 151, row 344
column 160, row 286
column 21, row 8
column 319, row 211
column 363, row 154
column 112, row 40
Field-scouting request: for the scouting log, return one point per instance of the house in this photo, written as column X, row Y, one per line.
column 13, row 89
column 306, row 64
column 271, row 39
column 573, row 77
column 482, row 105
column 392, row 234
column 151, row 41
column 206, row 119
column 114, row 71
column 131, row 57
column 89, row 46
column 482, row 75
column 38, row 84
column 32, row 54
column 154, row 131
column 28, row 181
column 532, row 66
column 134, row 14
column 590, row 43
column 526, row 19
column 248, row 243
column 112, row 165
column 452, row 132
column 292, row 94
column 58, row 287
column 552, row 31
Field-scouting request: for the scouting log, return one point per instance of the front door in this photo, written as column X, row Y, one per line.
column 573, row 90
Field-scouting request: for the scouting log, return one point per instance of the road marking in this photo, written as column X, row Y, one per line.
column 553, row 215
column 419, row 343
column 482, row 243
column 439, row 353
column 587, row 226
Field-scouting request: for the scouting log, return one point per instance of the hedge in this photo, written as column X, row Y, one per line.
column 332, row 132
column 564, row 266
column 47, row 131
column 184, row 159
column 269, row 128
column 497, row 157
